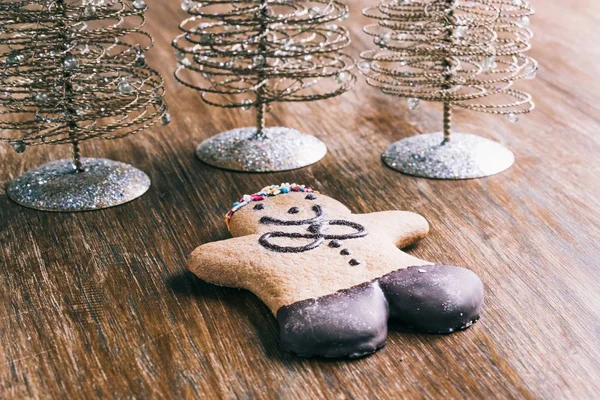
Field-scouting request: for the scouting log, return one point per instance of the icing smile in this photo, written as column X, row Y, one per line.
column 274, row 221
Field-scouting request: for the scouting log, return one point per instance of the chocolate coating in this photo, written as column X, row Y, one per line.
column 441, row 299
column 348, row 323
column 353, row 322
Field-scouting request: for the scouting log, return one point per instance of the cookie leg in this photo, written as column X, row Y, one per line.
column 434, row 298
column 348, row 323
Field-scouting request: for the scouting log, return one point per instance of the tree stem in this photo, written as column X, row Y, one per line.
column 77, row 158
column 447, row 65
column 261, row 109
column 261, row 105
column 68, row 93
column 447, row 121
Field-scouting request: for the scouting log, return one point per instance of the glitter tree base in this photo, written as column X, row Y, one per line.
column 465, row 156
column 281, row 149
column 56, row 186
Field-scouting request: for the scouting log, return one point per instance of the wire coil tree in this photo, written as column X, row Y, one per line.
column 463, row 53
column 71, row 72
column 251, row 53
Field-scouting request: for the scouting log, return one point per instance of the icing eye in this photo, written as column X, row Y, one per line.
column 310, row 196
column 294, row 210
column 259, row 206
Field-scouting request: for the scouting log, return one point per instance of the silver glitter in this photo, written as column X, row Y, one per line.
column 282, row 149
column 465, row 156
column 56, row 186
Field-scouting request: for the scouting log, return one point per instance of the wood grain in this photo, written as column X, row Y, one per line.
column 99, row 304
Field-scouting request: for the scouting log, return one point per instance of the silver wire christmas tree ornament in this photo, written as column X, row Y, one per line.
column 70, row 73
column 463, row 53
column 249, row 54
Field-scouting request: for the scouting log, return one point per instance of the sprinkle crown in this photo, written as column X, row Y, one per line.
column 268, row 191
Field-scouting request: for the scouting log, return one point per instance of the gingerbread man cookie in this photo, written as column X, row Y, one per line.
column 333, row 278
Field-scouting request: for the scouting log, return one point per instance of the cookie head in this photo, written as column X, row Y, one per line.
column 281, row 207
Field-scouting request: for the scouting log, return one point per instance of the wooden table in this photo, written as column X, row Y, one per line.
column 99, row 304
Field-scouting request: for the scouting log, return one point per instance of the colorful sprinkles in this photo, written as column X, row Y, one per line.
column 269, row 191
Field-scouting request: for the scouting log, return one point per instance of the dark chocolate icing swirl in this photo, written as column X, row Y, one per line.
column 316, row 228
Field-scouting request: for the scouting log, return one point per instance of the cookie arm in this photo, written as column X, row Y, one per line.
column 223, row 263
column 403, row 228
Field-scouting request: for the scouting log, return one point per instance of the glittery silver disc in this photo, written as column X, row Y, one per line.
column 465, row 156
column 282, row 149
column 56, row 186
